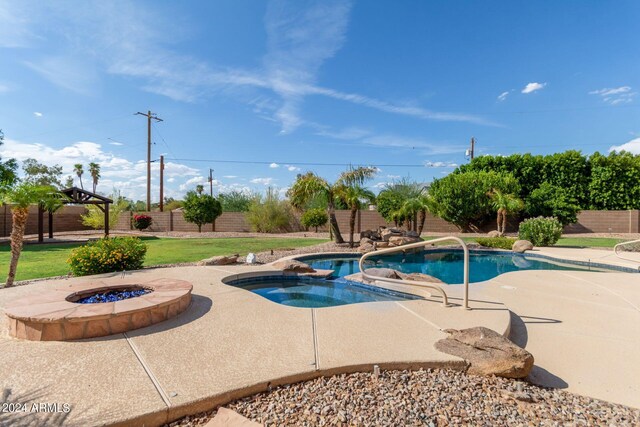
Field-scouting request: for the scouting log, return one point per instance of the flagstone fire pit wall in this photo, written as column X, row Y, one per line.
column 53, row 315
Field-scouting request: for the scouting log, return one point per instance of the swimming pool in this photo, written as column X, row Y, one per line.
column 445, row 264
column 316, row 293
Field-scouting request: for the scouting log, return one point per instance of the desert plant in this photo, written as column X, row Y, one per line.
column 94, row 170
column 141, row 221
column 236, row 201
column 505, row 204
column 94, row 217
column 540, row 231
column 269, row 214
column 107, row 255
column 354, row 196
column 79, row 171
column 200, row 208
column 496, row 242
column 314, row 218
column 19, row 197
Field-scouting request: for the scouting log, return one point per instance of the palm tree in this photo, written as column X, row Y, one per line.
column 199, row 188
column 19, row 197
column 77, row 168
column 94, row 170
column 505, row 204
column 353, row 196
column 310, row 185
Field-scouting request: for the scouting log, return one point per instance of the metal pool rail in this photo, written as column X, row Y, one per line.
column 619, row 245
column 403, row 248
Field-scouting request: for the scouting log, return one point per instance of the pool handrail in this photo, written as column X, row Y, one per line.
column 619, row 245
column 403, row 248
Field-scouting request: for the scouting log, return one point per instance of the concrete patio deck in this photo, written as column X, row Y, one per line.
column 229, row 343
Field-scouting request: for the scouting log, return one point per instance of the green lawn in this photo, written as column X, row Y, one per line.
column 51, row 260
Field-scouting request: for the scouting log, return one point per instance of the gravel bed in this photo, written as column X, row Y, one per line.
column 422, row 398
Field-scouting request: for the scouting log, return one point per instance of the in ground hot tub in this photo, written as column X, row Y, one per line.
column 96, row 309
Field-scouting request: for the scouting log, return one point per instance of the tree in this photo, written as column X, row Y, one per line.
column 19, row 197
column 505, row 204
column 68, row 183
column 353, row 196
column 461, row 198
column 400, row 203
column 309, row 186
column 200, row 209
column 8, row 168
column 236, row 201
column 199, row 188
column 615, row 181
column 553, row 201
column 79, row 170
column 39, row 174
column 316, row 217
column 94, row 170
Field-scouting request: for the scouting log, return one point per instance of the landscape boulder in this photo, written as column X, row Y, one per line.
column 494, row 233
column 403, row 240
column 387, row 273
column 421, row 277
column 220, row 260
column 387, row 233
column 370, row 234
column 487, row 352
column 292, row 266
column 519, row 246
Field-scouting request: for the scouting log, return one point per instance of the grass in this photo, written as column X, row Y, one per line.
column 49, row 260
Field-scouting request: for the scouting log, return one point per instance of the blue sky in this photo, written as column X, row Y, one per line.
column 289, row 82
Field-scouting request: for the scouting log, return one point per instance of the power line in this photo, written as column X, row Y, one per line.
column 250, row 162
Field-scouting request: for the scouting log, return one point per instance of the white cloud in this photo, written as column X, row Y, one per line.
column 503, row 96
column 393, row 176
column 441, row 164
column 37, row 114
column 262, row 181
column 615, row 96
column 350, row 133
column 381, row 185
column 532, row 87
column 292, row 168
column 117, row 172
column 76, row 75
column 274, row 165
column 424, row 147
column 117, row 144
column 230, row 176
column 4, row 88
column 632, row 146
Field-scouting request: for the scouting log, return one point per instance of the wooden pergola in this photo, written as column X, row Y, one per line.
column 76, row 196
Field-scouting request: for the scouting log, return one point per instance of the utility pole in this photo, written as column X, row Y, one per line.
column 473, row 146
column 161, row 183
column 211, row 181
column 149, row 116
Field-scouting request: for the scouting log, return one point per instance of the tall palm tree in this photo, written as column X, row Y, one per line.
column 94, row 170
column 199, row 188
column 353, row 196
column 505, row 204
column 19, row 197
column 79, row 170
column 310, row 185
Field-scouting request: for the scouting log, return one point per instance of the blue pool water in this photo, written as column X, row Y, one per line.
column 446, row 265
column 316, row 293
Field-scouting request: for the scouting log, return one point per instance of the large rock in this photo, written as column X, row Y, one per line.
column 412, row 233
column 387, row 273
column 366, row 247
column 403, row 240
column 494, row 233
column 387, row 233
column 370, row 234
column 487, row 352
column 220, row 260
column 421, row 277
column 520, row 246
column 292, row 266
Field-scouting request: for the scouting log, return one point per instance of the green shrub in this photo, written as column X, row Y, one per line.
column 107, row 255
column 496, row 242
column 461, row 198
column 540, row 231
column 314, row 218
column 269, row 214
column 200, row 209
column 552, row 201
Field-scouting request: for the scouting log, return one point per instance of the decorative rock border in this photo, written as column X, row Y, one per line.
column 53, row 316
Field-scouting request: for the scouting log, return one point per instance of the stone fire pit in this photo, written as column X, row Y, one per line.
column 54, row 315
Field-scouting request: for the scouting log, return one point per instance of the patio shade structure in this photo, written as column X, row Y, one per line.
column 76, row 196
